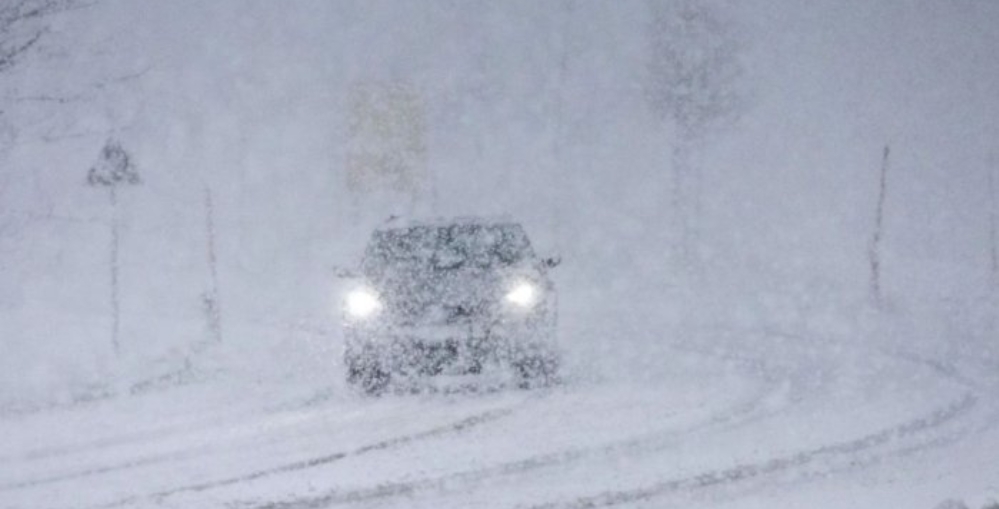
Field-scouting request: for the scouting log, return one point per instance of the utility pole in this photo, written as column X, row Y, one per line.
column 875, row 246
column 210, row 299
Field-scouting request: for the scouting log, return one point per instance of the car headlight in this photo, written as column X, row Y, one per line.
column 362, row 303
column 524, row 294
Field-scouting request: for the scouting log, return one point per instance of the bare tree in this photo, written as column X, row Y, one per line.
column 693, row 85
column 874, row 251
column 22, row 28
column 114, row 168
column 20, row 31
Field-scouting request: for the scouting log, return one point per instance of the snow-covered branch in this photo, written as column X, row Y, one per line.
column 19, row 30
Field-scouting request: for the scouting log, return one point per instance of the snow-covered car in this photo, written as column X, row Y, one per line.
column 457, row 298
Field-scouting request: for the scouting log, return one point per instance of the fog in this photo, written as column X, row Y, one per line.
column 709, row 173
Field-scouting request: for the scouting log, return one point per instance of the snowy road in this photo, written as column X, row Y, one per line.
column 821, row 424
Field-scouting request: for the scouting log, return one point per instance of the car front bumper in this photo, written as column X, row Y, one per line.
column 461, row 348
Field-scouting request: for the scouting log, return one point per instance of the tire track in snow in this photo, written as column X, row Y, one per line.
column 749, row 412
column 850, row 449
column 745, row 472
column 738, row 415
column 105, row 443
column 128, row 465
column 707, row 479
column 454, row 427
column 202, row 423
column 522, row 465
column 145, row 436
column 112, row 442
column 146, row 460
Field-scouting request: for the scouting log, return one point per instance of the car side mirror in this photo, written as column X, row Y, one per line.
column 552, row 261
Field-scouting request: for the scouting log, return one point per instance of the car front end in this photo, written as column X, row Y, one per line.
column 509, row 323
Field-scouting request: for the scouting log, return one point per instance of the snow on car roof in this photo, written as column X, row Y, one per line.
column 397, row 222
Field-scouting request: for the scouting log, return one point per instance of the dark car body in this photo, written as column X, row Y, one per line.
column 450, row 298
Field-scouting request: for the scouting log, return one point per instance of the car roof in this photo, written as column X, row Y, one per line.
column 398, row 223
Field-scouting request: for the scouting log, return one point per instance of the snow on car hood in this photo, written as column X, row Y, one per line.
column 429, row 295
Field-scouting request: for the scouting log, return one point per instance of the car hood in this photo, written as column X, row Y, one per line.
column 424, row 295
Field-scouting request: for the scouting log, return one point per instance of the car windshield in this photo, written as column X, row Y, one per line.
column 446, row 247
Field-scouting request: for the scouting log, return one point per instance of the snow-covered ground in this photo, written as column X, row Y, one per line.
column 718, row 427
column 175, row 343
